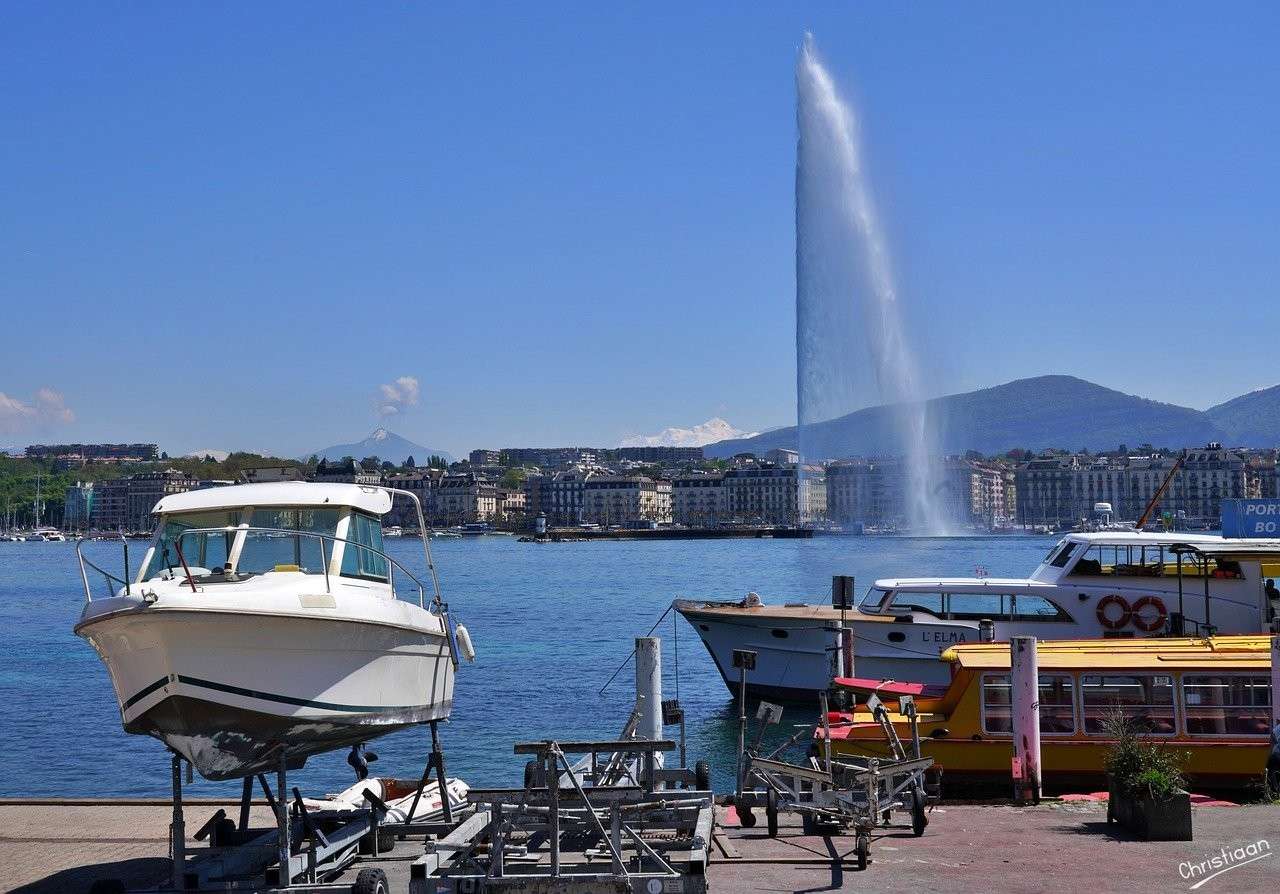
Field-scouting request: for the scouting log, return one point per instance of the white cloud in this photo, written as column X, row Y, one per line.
column 397, row 396
column 708, row 432
column 47, row 408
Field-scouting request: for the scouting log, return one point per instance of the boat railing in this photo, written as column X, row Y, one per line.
column 108, row 577
column 284, row 533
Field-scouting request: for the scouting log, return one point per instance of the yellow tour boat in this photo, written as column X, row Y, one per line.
column 1207, row 697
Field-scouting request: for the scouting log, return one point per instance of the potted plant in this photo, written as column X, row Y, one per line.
column 1147, row 791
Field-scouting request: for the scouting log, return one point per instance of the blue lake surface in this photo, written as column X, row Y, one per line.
column 551, row 622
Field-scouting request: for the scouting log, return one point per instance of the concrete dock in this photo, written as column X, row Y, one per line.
column 63, row 846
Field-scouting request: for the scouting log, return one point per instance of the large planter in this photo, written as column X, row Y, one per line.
column 1149, row 819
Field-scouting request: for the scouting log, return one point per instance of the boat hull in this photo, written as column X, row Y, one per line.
column 231, row 692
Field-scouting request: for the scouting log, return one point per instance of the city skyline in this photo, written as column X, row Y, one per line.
column 558, row 251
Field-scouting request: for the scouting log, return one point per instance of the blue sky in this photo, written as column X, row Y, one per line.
column 226, row 225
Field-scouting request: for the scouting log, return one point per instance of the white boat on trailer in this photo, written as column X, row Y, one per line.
column 265, row 625
column 1112, row 584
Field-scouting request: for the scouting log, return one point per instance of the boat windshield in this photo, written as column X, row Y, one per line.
column 202, row 552
column 278, row 550
column 873, row 599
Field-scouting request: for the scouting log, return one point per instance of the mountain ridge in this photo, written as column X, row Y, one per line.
column 1036, row 413
column 384, row 444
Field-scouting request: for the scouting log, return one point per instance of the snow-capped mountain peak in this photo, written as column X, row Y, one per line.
column 714, row 429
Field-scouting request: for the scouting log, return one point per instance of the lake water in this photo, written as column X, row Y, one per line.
column 550, row 622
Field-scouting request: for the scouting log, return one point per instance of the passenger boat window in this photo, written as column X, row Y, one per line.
column 1146, row 699
column 1061, row 554
column 1057, row 704
column 202, row 552
column 279, row 550
column 1227, row 704
column 905, row 600
column 1125, row 561
column 976, row 606
column 364, row 530
column 1027, row 607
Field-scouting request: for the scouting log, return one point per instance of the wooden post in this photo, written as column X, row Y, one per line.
column 1024, row 678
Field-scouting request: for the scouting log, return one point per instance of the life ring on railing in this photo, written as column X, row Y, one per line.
column 1156, row 623
column 1105, row 619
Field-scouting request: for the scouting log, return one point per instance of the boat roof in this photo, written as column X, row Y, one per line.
column 1245, row 652
column 1256, row 550
column 1141, row 538
column 893, row 583
column 278, row 493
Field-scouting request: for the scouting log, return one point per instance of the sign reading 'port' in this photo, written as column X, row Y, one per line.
column 1251, row 518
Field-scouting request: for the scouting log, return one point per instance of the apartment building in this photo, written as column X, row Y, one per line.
column 625, row 499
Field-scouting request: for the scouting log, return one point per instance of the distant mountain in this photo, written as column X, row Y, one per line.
column 385, row 445
column 1037, row 413
column 709, row 432
column 1252, row 418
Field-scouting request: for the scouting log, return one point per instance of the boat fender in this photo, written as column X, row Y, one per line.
column 1155, row 623
column 753, row 600
column 1106, row 620
column 464, row 643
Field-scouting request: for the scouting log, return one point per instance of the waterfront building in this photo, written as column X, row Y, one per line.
column 1046, row 491
column 762, row 494
column 464, row 498
column 697, row 499
column 624, row 499
column 511, row 505
column 77, row 506
column 345, row 471
column 79, row 454
column 125, row 504
column 422, row 484
column 562, row 497
column 665, row 456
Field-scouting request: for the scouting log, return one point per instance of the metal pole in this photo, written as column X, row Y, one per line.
column 1207, row 621
column 742, row 725
column 1025, row 702
column 552, row 770
column 649, row 687
column 282, row 822
column 177, row 829
column 1275, row 680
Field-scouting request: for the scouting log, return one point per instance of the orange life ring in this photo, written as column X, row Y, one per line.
column 1106, row 620
column 1162, row 614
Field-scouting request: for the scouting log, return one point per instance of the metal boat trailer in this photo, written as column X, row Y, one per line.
column 611, row 822
column 833, row 795
column 306, row 850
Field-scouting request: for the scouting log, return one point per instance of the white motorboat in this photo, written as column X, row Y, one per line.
column 52, row 535
column 266, row 621
column 1113, row 584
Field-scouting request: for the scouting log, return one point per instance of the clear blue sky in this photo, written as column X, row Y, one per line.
column 225, row 225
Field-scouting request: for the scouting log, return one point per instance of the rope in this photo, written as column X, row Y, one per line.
column 632, row 653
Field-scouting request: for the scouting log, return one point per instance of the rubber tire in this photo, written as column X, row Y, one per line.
column 771, row 813
column 702, row 776
column 747, row 817
column 107, row 886
column 918, row 819
column 371, row 881
column 863, row 851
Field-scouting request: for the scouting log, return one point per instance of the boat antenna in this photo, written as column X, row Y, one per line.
column 1164, row 485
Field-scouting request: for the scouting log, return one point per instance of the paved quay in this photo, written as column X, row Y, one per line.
column 64, row 847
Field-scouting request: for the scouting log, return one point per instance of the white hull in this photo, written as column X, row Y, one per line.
column 227, row 689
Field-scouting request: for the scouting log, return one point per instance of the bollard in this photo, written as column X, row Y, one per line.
column 1024, row 679
column 649, row 687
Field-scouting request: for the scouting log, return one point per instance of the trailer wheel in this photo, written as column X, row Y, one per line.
column 863, row 850
column 702, row 776
column 771, row 813
column 918, row 819
column 371, row 881
column 747, row 817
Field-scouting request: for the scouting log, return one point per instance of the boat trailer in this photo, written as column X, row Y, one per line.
column 614, row 821
column 832, row 795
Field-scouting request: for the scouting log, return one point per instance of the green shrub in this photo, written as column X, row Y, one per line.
column 1140, row 768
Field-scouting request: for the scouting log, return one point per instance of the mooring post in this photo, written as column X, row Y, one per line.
column 1024, row 679
column 177, row 829
column 282, row 820
column 649, row 687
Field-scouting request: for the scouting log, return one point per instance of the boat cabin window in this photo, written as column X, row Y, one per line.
column 1060, row 554
column 1057, row 704
column 1227, row 704
column 1147, row 699
column 203, row 552
column 364, row 531
column 909, row 600
column 279, row 550
column 874, row 598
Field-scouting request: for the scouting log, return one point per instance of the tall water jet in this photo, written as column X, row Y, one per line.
column 846, row 296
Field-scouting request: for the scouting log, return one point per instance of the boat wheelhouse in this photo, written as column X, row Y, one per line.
column 1107, row 585
column 267, row 620
column 1208, row 697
